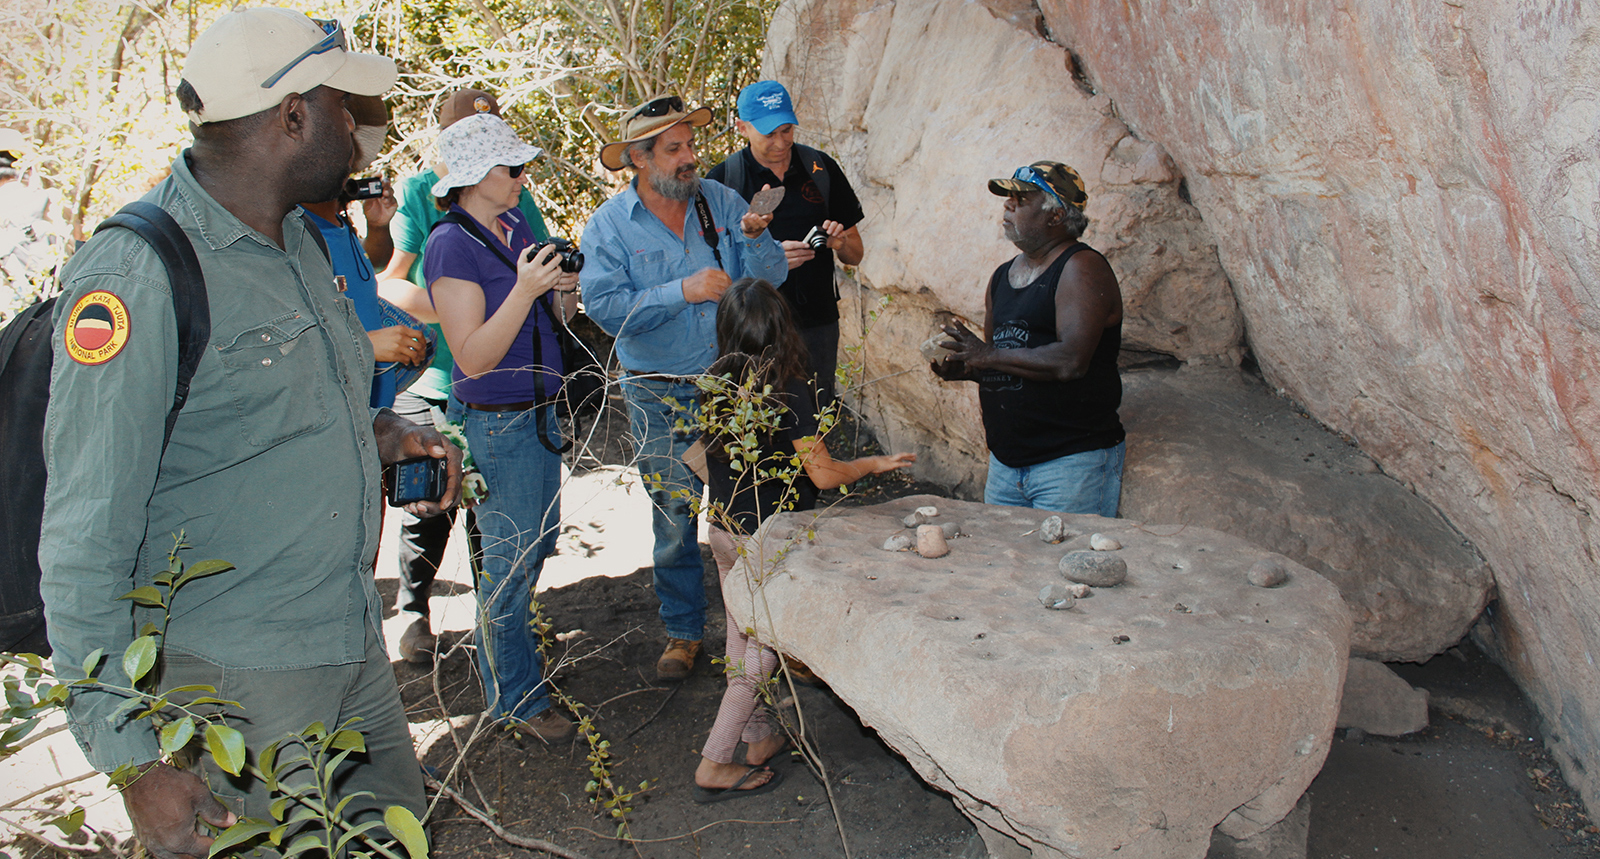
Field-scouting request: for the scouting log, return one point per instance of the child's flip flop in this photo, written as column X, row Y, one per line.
column 718, row 794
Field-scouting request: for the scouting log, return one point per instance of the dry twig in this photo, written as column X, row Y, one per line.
column 501, row 832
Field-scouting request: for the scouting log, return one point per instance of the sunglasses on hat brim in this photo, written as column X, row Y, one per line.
column 663, row 106
column 334, row 39
column 1034, row 177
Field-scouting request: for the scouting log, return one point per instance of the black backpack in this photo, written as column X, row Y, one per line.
column 26, row 351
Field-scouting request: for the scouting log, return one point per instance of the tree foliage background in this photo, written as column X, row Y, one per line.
column 91, row 82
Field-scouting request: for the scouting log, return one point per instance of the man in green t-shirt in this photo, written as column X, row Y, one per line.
column 423, row 541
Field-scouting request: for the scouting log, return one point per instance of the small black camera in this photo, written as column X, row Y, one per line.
column 422, row 478
column 817, row 238
column 571, row 257
column 364, row 189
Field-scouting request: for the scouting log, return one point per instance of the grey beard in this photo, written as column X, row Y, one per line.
column 674, row 188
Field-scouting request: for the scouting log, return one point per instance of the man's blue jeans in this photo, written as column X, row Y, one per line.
column 679, row 572
column 519, row 522
column 1088, row 482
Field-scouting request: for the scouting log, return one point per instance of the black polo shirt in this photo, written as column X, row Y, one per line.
column 810, row 289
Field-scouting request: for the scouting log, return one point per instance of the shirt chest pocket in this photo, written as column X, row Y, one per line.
column 277, row 374
column 649, row 269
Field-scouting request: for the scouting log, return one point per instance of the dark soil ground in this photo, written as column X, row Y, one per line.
column 1476, row 784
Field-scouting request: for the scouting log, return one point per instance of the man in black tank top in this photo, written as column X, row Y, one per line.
column 1046, row 366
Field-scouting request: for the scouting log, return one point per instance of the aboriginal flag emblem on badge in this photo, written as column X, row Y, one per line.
column 97, row 328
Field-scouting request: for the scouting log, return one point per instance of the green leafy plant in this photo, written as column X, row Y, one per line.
column 302, row 821
column 604, row 792
column 191, row 718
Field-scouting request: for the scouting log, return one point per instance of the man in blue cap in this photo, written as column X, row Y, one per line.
column 817, row 195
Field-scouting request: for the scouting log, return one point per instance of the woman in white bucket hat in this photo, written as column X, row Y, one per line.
column 498, row 292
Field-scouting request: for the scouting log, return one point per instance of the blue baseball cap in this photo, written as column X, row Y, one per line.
column 766, row 105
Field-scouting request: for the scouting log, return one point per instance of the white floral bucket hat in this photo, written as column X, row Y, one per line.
column 474, row 146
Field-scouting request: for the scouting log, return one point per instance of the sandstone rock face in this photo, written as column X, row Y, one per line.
column 1130, row 724
column 989, row 96
column 1407, row 200
column 1212, row 447
column 1379, row 701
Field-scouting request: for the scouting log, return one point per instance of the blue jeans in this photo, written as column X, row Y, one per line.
column 518, row 522
column 1088, row 482
column 679, row 572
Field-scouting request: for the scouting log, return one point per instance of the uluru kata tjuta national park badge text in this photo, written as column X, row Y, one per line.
column 97, row 328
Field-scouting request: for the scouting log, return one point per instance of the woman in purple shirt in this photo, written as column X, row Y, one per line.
column 497, row 300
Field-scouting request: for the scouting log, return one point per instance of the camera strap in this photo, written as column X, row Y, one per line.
column 708, row 227
column 542, row 411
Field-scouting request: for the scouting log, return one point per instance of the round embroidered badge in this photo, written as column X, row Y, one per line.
column 97, row 328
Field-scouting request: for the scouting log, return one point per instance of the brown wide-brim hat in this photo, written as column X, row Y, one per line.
column 1060, row 179
column 636, row 127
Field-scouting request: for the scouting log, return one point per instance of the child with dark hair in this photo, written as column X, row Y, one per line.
column 764, row 363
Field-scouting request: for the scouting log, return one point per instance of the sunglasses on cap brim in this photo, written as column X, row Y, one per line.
column 1034, row 177
column 333, row 40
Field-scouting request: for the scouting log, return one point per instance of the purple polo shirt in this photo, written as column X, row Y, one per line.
column 453, row 252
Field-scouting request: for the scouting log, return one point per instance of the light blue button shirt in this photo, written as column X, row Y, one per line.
column 633, row 276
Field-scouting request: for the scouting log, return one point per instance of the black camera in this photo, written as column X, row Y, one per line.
column 421, row 478
column 817, row 238
column 364, row 189
column 571, row 257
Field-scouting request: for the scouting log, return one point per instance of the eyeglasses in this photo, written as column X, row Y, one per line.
column 333, row 39
column 660, row 106
column 1032, row 176
column 515, row 170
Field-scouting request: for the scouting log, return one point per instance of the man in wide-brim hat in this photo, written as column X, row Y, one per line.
column 660, row 255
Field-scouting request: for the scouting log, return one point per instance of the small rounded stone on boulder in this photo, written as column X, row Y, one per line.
column 1079, row 590
column 1269, row 572
column 1057, row 596
column 920, row 516
column 1094, row 568
column 1053, row 530
column 1102, row 543
column 930, row 542
column 951, row 530
column 897, row 543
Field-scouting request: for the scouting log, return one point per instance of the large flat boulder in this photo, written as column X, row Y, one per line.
column 1130, row 724
column 1213, row 447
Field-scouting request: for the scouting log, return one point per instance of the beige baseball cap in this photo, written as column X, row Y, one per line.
column 251, row 58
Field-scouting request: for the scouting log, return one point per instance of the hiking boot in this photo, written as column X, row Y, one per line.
column 418, row 643
column 677, row 661
column 549, row 726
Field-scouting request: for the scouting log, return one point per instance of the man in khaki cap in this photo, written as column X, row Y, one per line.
column 659, row 256
column 1046, row 366
column 274, row 461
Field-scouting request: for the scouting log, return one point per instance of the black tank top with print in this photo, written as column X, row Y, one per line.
column 1026, row 421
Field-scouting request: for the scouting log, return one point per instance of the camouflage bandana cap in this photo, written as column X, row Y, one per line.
column 1054, row 178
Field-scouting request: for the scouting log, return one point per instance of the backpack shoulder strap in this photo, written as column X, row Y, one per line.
column 810, row 159
column 733, row 172
column 316, row 235
column 190, row 306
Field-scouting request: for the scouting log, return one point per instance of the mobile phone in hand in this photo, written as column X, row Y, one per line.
column 421, row 478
